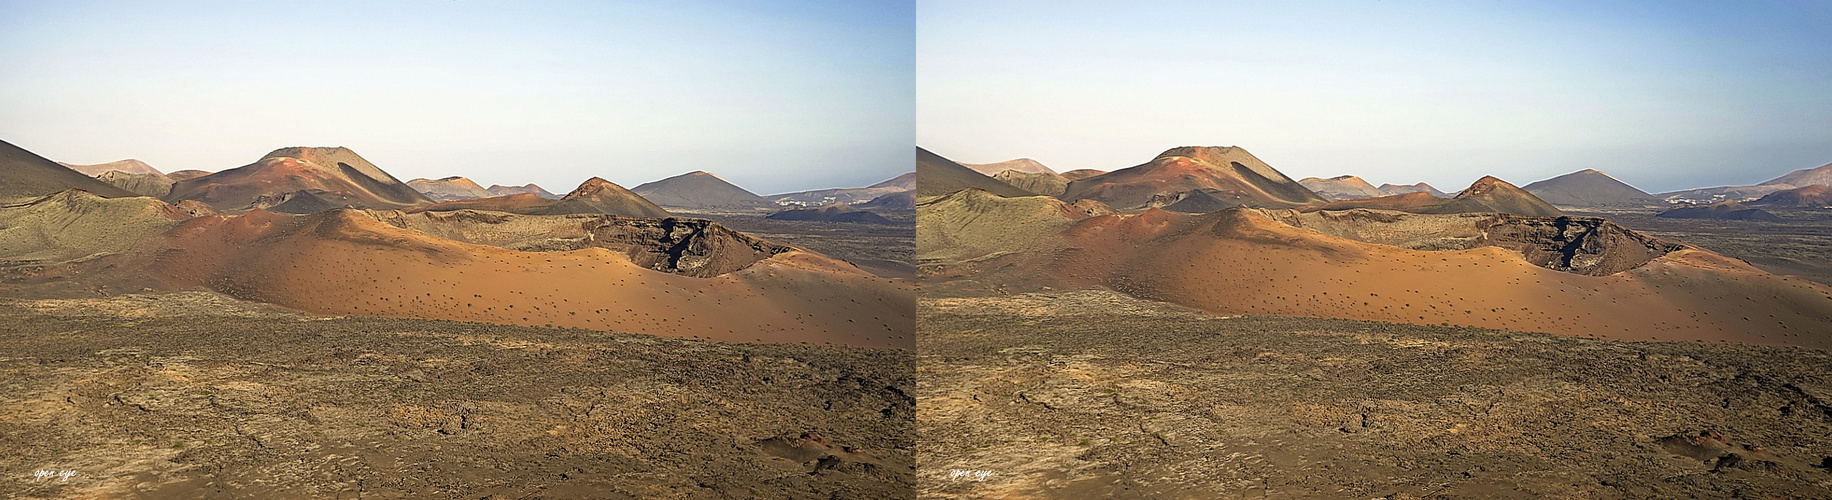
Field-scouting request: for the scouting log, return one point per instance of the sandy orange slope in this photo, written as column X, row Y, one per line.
column 343, row 262
column 1243, row 261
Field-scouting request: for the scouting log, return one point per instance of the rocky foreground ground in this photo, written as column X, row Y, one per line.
column 193, row 395
column 1097, row 395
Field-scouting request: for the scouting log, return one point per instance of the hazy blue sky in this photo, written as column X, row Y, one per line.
column 1664, row 95
column 773, row 95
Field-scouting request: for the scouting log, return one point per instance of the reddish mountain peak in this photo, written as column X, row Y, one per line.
column 594, row 186
column 1210, row 154
column 1485, row 185
column 307, row 152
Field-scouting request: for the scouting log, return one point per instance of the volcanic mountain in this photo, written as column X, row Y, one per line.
column 661, row 276
column 74, row 224
column 1721, row 193
column 1024, row 165
column 599, row 196
column 1820, row 176
column 130, row 166
column 1814, row 196
column 185, row 175
column 700, row 190
column 1081, row 173
column 1590, row 188
column 24, row 175
column 594, row 196
column 936, row 176
column 1346, row 187
column 1727, row 210
column 449, row 188
column 972, row 223
column 332, row 173
column 523, row 203
column 905, row 182
column 1231, row 173
column 1487, row 195
column 1577, row 276
column 1042, row 183
column 1392, row 189
column 155, row 185
column 901, row 200
column 838, row 212
column 501, row 190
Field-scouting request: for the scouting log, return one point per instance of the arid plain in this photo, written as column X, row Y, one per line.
column 307, row 325
column 1201, row 326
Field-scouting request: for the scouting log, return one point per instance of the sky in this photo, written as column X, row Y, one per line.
column 1664, row 95
column 775, row 96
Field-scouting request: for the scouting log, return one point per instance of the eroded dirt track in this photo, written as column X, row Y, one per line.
column 1093, row 394
column 193, row 395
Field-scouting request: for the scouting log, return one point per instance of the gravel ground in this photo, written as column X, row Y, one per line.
column 1093, row 394
column 193, row 395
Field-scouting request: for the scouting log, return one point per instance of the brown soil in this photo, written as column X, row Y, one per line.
column 344, row 262
column 1243, row 261
column 1097, row 395
column 1583, row 245
column 194, row 395
column 689, row 247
